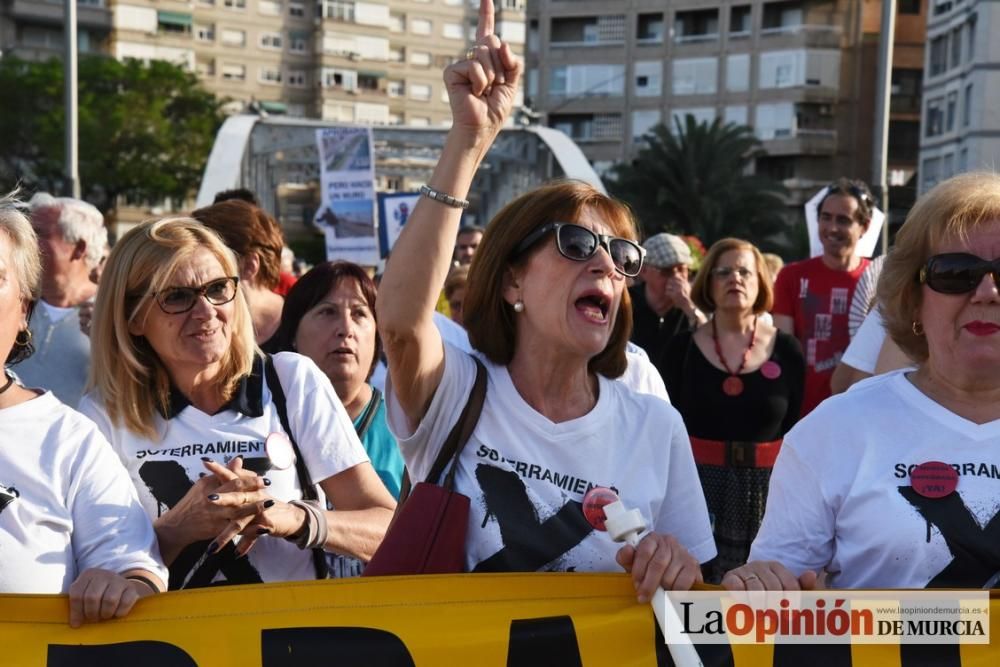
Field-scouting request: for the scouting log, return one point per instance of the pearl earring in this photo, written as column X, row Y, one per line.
column 518, row 306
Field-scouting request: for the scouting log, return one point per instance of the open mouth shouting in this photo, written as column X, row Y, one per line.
column 594, row 306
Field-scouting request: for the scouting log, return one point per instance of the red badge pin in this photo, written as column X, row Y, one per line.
column 934, row 479
column 771, row 370
column 593, row 505
column 279, row 451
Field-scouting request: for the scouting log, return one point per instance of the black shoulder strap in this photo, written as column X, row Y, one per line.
column 305, row 481
column 369, row 416
column 459, row 435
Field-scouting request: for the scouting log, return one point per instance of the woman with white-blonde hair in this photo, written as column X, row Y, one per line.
column 228, row 448
column 70, row 521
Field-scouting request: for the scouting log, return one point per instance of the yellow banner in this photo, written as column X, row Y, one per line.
column 479, row 620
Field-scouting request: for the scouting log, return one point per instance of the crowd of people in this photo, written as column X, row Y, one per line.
column 184, row 416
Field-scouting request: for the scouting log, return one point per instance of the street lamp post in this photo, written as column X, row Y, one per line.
column 880, row 151
column 71, row 170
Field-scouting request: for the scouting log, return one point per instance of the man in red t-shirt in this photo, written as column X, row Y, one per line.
column 812, row 297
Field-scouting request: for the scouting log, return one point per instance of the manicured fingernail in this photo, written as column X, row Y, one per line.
column 201, row 474
column 268, row 503
column 206, row 459
column 213, row 496
column 263, row 531
column 212, row 548
column 267, row 481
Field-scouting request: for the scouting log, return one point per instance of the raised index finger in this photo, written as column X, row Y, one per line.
column 486, row 11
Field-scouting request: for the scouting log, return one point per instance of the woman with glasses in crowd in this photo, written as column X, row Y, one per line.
column 547, row 315
column 70, row 521
column 227, row 448
column 738, row 383
column 893, row 484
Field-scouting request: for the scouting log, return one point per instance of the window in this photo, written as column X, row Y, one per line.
column 607, row 29
column 340, row 78
column 906, row 90
column 963, row 160
column 947, row 165
column 270, row 40
column 170, row 23
column 970, row 42
column 298, row 42
column 232, row 37
column 694, row 76
column 587, row 80
column 967, row 107
column 908, row 6
column 452, row 31
column 368, row 81
column 738, row 73
column 950, row 111
column 296, row 78
column 775, row 121
column 904, row 141
column 420, row 27
column 205, row 68
column 934, row 123
column 701, row 115
column 296, row 9
column 739, row 21
column 696, row 25
column 269, row 75
column 650, row 28
column 234, row 72
column 420, row 58
column 929, row 173
column 204, row 33
column 956, row 47
column 234, row 4
column 533, row 39
column 395, row 89
column 397, row 54
column 938, row 55
column 649, row 78
column 269, row 7
column 341, row 10
column 942, row 6
column 644, row 121
column 781, row 17
column 735, row 114
column 420, row 91
column 420, row 121
column 588, row 127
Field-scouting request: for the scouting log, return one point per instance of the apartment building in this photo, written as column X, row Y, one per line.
column 800, row 72
column 961, row 96
column 364, row 61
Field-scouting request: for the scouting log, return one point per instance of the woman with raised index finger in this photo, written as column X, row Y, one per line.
column 549, row 319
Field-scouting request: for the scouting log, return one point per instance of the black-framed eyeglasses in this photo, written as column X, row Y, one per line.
column 177, row 300
column 853, row 190
column 957, row 272
column 723, row 272
column 578, row 243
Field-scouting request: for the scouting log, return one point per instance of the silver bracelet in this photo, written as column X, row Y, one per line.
column 446, row 199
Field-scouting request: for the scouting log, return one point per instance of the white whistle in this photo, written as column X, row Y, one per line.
column 625, row 525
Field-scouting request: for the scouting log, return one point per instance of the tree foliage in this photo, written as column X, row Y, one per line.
column 145, row 129
column 697, row 181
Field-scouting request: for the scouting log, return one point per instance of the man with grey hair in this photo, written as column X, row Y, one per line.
column 72, row 238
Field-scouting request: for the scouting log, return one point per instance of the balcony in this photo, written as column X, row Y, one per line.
column 800, row 141
column 88, row 14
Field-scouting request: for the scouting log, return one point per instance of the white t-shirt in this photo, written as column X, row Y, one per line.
column 864, row 349
column 840, row 495
column 66, row 502
column 527, row 476
column 641, row 375
column 163, row 470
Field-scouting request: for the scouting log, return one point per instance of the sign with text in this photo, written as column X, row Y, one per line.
column 347, row 181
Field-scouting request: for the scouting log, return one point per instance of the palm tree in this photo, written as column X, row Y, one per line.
column 697, row 181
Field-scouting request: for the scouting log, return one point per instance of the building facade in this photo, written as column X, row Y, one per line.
column 961, row 103
column 364, row 61
column 801, row 73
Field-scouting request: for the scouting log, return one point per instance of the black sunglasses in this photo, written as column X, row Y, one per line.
column 579, row 244
column 177, row 300
column 854, row 191
column 957, row 272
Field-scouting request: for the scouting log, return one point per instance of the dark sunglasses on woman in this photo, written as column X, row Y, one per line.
column 177, row 300
column 958, row 272
column 579, row 244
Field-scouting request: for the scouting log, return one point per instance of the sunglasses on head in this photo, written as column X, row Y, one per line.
column 957, row 272
column 854, row 191
column 176, row 300
column 580, row 244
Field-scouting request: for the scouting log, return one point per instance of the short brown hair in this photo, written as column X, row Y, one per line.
column 701, row 291
column 951, row 210
column 490, row 322
column 247, row 230
column 457, row 278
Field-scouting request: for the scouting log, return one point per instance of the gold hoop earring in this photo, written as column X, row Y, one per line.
column 27, row 338
column 917, row 328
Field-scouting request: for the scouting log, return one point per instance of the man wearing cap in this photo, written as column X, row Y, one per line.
column 812, row 297
column 661, row 304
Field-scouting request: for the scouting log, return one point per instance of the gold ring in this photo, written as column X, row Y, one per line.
column 752, row 577
column 470, row 54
